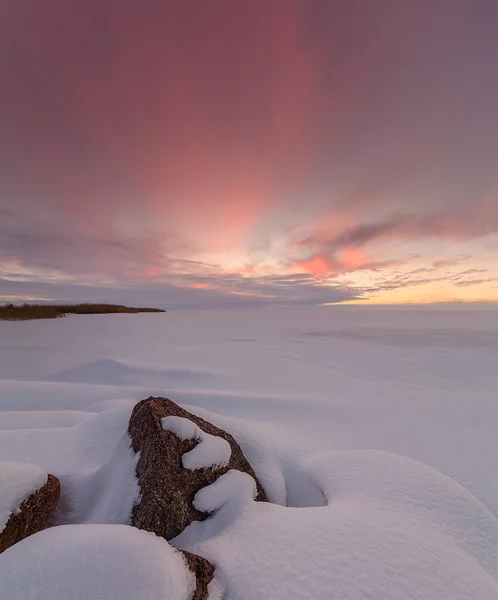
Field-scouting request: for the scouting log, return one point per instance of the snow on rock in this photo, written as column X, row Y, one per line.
column 392, row 529
column 82, row 562
column 232, row 492
column 260, row 445
column 211, row 450
column 166, row 486
column 234, row 488
column 203, row 570
column 28, row 499
column 18, row 481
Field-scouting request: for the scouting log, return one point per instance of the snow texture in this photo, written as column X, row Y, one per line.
column 107, row 494
column 210, row 451
column 425, row 538
column 94, row 562
column 373, row 432
column 17, row 482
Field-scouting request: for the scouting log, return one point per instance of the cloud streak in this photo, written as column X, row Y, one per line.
column 477, row 222
column 187, row 293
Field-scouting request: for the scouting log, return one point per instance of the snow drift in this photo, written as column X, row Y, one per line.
column 79, row 562
column 375, row 439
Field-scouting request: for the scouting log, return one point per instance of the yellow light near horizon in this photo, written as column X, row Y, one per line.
column 434, row 292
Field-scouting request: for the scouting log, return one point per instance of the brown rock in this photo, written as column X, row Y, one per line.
column 167, row 488
column 203, row 571
column 34, row 514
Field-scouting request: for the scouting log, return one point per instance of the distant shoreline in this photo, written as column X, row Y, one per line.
column 24, row 312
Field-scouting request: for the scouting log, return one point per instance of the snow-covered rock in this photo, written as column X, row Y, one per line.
column 28, row 498
column 180, row 453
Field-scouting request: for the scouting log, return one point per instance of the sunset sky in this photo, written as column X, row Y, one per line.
column 227, row 153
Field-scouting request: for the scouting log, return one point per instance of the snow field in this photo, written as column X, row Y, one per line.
column 392, row 528
column 374, row 434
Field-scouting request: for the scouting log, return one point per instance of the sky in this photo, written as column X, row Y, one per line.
column 249, row 152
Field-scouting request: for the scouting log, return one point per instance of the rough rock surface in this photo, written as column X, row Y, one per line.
column 167, row 488
column 33, row 515
column 203, row 571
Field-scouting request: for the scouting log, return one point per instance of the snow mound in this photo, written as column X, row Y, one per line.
column 35, row 419
column 61, row 450
column 393, row 528
column 93, row 461
column 107, row 494
column 234, row 487
column 211, row 450
column 422, row 494
column 83, row 562
column 17, row 482
column 108, row 371
column 227, row 497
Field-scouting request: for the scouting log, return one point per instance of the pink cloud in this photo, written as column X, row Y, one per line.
column 142, row 140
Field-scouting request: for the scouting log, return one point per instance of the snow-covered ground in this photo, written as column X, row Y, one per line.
column 374, row 433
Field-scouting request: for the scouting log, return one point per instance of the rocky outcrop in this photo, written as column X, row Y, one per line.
column 203, row 571
column 167, row 487
column 33, row 514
